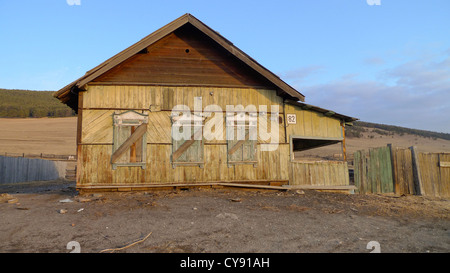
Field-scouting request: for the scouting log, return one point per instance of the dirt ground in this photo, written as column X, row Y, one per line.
column 223, row 220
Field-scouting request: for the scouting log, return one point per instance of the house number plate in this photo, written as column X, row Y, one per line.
column 291, row 118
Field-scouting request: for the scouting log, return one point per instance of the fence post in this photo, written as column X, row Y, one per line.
column 388, row 183
column 357, row 171
column 360, row 171
column 416, row 172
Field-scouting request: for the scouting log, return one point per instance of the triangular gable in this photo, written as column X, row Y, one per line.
column 68, row 93
column 185, row 57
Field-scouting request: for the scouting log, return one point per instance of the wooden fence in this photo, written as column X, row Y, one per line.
column 402, row 167
column 434, row 174
column 373, row 173
column 402, row 171
column 22, row 169
column 323, row 174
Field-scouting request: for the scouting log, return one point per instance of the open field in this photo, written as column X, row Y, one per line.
column 220, row 220
column 423, row 144
column 38, row 135
column 372, row 139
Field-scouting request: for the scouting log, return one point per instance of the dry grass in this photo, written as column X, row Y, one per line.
column 38, row 135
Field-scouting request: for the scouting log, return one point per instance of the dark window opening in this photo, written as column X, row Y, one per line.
column 310, row 149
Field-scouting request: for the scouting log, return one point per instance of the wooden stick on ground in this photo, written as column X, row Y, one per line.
column 127, row 246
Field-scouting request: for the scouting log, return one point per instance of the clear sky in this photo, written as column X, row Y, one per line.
column 387, row 63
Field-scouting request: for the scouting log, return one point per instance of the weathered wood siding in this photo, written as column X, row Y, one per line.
column 373, row 174
column 421, row 173
column 402, row 167
column 403, row 171
column 21, row 169
column 434, row 174
column 96, row 137
column 96, row 168
column 320, row 173
column 165, row 98
column 312, row 124
column 185, row 57
column 100, row 102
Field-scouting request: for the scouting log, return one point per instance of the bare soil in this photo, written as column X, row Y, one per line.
column 220, row 220
column 211, row 220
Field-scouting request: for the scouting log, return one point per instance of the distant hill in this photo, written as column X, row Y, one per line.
column 361, row 127
column 31, row 104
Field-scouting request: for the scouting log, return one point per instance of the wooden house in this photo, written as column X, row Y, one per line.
column 126, row 109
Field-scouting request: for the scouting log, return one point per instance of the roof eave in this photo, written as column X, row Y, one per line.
column 321, row 110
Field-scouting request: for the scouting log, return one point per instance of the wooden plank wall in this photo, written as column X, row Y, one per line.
column 97, row 126
column 403, row 171
column 100, row 102
column 185, row 57
column 399, row 172
column 360, row 172
column 312, row 124
column 97, row 170
column 320, row 173
column 380, row 167
column 22, row 169
column 373, row 174
column 434, row 176
column 166, row 97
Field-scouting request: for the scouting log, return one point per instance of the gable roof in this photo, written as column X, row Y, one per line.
column 67, row 94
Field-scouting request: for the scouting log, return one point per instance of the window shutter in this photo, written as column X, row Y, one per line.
column 130, row 139
column 241, row 139
column 189, row 151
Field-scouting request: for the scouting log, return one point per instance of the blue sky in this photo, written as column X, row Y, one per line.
column 387, row 63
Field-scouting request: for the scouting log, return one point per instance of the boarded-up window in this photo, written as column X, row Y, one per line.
column 129, row 147
column 241, row 138
column 187, row 146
